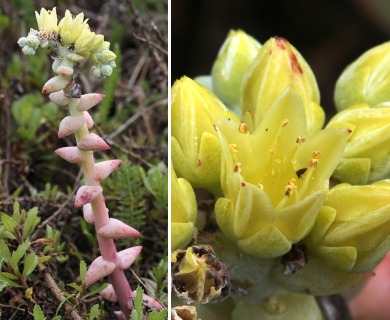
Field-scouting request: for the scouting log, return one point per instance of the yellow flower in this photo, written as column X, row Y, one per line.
column 277, row 66
column 196, row 150
column 85, row 42
column 366, row 80
column 366, row 156
column 47, row 20
column 274, row 181
column 70, row 29
column 352, row 231
column 234, row 58
column 184, row 211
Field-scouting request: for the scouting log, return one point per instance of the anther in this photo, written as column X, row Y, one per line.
column 233, row 147
column 237, row 167
column 243, row 128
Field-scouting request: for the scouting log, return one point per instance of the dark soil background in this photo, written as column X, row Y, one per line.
column 135, row 126
column 330, row 34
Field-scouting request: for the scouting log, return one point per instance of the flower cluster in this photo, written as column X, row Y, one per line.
column 74, row 38
column 286, row 189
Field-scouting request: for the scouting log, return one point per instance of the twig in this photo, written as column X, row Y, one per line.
column 7, row 156
column 162, row 65
column 57, row 291
column 135, row 116
column 140, row 97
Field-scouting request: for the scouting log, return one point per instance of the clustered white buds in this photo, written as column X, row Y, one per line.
column 72, row 36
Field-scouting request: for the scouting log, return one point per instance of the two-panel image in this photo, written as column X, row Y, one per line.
column 194, row 160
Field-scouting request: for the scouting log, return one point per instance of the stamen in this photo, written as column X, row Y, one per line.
column 289, row 190
column 313, row 164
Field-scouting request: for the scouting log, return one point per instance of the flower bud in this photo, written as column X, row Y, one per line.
column 351, row 232
column 366, row 80
column 278, row 66
column 70, row 29
column 47, row 20
column 184, row 211
column 366, row 156
column 234, row 58
column 195, row 144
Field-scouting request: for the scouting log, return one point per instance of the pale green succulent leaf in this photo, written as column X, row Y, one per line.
column 266, row 243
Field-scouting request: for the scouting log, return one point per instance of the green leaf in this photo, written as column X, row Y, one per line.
column 8, row 282
column 44, row 259
column 3, row 284
column 8, row 223
column 31, row 222
column 10, row 276
column 18, row 254
column 95, row 289
column 138, row 314
column 16, row 212
column 38, row 313
column 75, row 286
column 30, row 264
column 94, row 312
column 155, row 315
column 4, row 251
column 83, row 271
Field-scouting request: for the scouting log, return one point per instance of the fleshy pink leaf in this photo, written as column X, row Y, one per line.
column 55, row 84
column 70, row 154
column 120, row 315
column 88, row 119
column 127, row 257
column 89, row 100
column 104, row 168
column 116, row 229
column 98, row 270
column 88, row 213
column 86, row 194
column 109, row 294
column 149, row 301
column 69, row 125
column 92, row 142
column 59, row 98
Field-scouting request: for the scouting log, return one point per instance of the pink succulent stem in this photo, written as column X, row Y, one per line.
column 101, row 218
